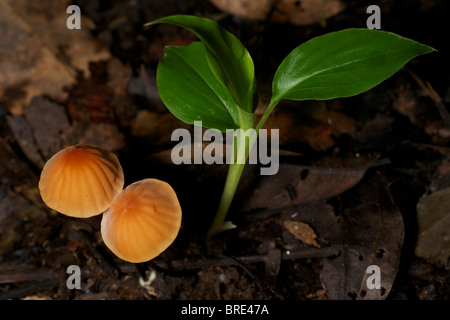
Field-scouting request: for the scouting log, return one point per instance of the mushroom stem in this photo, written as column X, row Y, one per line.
column 143, row 269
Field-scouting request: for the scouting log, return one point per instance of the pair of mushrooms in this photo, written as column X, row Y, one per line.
column 140, row 221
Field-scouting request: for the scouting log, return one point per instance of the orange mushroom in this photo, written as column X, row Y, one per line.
column 142, row 221
column 81, row 181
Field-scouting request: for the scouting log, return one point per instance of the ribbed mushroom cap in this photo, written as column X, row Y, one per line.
column 81, row 181
column 142, row 221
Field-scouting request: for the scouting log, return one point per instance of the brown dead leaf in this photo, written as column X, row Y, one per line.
column 317, row 134
column 342, row 123
column 39, row 130
column 48, row 121
column 302, row 122
column 157, row 126
column 105, row 135
column 39, row 55
column 24, row 137
column 73, row 245
column 405, row 103
column 48, row 19
column 302, row 231
column 20, row 220
column 372, row 234
column 14, row 171
column 144, row 86
column 305, row 12
column 249, row 9
column 375, row 130
column 27, row 65
column 438, row 131
column 295, row 184
column 433, row 219
column 310, row 122
column 119, row 80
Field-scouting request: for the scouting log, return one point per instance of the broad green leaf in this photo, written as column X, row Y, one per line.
column 342, row 64
column 228, row 58
column 191, row 92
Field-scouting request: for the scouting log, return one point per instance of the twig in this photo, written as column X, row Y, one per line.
column 255, row 279
column 29, row 289
column 179, row 265
column 31, row 275
column 49, row 276
column 435, row 97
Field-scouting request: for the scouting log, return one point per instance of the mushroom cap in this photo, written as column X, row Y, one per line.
column 81, row 181
column 142, row 221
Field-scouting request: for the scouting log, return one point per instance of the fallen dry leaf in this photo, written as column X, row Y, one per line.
column 302, row 231
column 156, row 126
column 22, row 214
column 433, row 219
column 39, row 55
column 48, row 20
column 27, row 66
column 305, row 12
column 39, row 130
column 309, row 122
column 249, row 9
column 372, row 234
column 295, row 184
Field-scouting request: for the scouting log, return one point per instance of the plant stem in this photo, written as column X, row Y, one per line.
column 234, row 175
column 270, row 107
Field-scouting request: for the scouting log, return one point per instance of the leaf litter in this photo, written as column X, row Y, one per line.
column 341, row 200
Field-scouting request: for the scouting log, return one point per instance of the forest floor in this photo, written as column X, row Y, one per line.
column 362, row 181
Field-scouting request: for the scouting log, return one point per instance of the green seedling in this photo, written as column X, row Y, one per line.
column 213, row 80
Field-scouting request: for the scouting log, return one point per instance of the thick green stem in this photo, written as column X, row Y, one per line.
column 234, row 175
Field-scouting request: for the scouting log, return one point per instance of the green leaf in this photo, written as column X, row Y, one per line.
column 228, row 58
column 191, row 92
column 342, row 64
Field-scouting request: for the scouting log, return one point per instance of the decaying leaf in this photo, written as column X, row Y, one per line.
column 18, row 212
column 48, row 20
column 40, row 129
column 27, row 66
column 48, row 121
column 302, row 231
column 120, row 77
column 39, row 55
column 433, row 219
column 15, row 172
column 305, row 12
column 295, row 184
column 156, row 126
column 106, row 135
column 372, row 235
column 24, row 137
column 249, row 9
column 309, row 122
